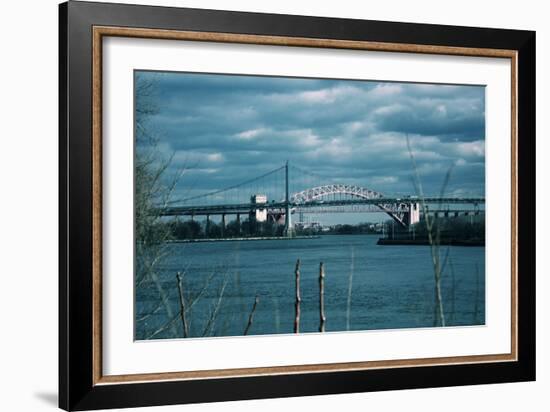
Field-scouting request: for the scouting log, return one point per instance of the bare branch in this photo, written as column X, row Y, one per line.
column 323, row 319
column 434, row 242
column 350, row 286
column 182, row 305
column 214, row 313
column 298, row 298
column 251, row 317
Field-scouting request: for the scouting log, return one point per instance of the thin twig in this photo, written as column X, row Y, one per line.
column 350, row 286
column 298, row 298
column 453, row 290
column 323, row 319
column 251, row 317
column 476, row 304
column 277, row 315
column 192, row 302
column 167, row 325
column 445, row 259
column 439, row 314
column 189, row 303
column 182, row 305
column 143, row 317
column 162, row 294
column 214, row 313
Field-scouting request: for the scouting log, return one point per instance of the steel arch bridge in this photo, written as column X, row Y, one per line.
column 315, row 193
column 248, row 198
column 399, row 212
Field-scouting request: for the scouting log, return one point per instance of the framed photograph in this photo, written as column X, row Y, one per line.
column 256, row 205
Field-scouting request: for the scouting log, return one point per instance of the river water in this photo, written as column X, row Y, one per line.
column 367, row 286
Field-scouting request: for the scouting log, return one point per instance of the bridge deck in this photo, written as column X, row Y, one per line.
column 279, row 207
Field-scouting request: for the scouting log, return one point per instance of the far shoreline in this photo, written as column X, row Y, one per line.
column 426, row 242
column 237, row 239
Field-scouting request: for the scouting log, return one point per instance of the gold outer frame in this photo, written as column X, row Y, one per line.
column 102, row 31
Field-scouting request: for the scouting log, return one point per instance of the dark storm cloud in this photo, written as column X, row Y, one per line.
column 463, row 119
column 226, row 129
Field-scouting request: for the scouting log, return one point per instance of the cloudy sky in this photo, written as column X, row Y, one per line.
column 225, row 129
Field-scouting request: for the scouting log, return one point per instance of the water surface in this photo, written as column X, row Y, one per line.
column 391, row 286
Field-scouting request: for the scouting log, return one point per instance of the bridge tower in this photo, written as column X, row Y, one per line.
column 413, row 215
column 288, row 232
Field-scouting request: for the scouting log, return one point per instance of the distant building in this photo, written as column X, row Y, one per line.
column 413, row 215
column 308, row 225
column 258, row 213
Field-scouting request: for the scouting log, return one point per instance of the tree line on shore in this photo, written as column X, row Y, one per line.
column 463, row 228
column 460, row 228
column 193, row 229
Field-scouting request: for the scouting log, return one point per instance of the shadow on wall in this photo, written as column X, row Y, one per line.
column 49, row 398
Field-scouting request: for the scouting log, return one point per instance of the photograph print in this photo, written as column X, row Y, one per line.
column 274, row 205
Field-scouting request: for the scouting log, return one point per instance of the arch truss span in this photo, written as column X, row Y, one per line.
column 315, row 193
column 399, row 213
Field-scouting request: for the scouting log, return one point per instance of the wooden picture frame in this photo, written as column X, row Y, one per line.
column 83, row 26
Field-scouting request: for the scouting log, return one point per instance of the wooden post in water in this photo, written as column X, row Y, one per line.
column 298, row 298
column 182, row 305
column 251, row 316
column 323, row 319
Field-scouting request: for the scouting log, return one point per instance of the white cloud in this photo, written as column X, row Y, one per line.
column 184, row 157
column 335, row 147
column 389, row 109
column 377, row 180
column 329, row 95
column 383, row 90
column 304, row 137
column 441, row 110
column 214, row 157
column 250, row 134
column 204, row 170
column 470, row 149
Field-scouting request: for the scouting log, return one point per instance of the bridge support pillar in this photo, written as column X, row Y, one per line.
column 207, row 227
column 238, row 223
column 223, row 225
column 413, row 215
column 289, row 230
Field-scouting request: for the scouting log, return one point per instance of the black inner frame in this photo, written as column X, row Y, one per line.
column 76, row 389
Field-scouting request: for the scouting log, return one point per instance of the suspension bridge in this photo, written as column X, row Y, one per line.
column 287, row 190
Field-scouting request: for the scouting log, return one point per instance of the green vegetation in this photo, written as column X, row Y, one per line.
column 358, row 229
column 193, row 229
column 153, row 230
column 450, row 229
